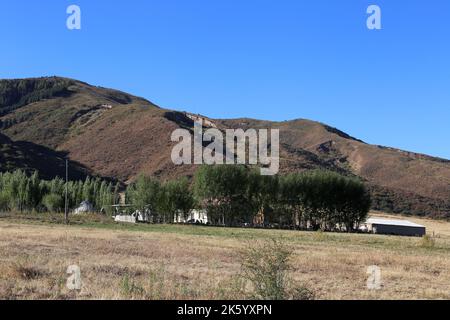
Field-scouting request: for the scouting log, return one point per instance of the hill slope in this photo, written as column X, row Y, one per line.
column 31, row 157
column 115, row 134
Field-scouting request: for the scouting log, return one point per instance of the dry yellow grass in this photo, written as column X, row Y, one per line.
column 187, row 262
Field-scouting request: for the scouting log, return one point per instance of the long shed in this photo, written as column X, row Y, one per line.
column 395, row 227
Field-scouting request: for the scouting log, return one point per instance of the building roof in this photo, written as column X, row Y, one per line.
column 403, row 223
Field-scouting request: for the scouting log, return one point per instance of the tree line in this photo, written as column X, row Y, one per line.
column 234, row 195
column 20, row 192
column 17, row 93
column 231, row 195
column 166, row 201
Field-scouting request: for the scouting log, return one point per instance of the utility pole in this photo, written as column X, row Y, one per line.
column 66, row 205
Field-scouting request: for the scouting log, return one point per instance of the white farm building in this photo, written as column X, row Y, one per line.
column 194, row 216
column 394, row 227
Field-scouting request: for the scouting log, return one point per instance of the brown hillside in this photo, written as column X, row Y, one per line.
column 31, row 157
column 402, row 181
column 117, row 135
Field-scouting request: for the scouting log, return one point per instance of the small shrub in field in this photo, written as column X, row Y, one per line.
column 265, row 266
column 427, row 242
column 21, row 270
column 319, row 235
column 130, row 290
column 29, row 273
column 302, row 293
column 157, row 283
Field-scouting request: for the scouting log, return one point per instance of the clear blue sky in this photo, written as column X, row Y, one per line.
column 273, row 60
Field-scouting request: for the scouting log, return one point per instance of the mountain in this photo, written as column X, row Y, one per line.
column 114, row 134
column 31, row 157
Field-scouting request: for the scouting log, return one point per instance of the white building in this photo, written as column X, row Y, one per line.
column 135, row 217
column 194, row 216
column 84, row 207
column 394, row 227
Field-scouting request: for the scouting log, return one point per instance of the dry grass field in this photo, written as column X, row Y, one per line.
column 191, row 262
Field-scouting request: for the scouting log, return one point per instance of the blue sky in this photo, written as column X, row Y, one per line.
column 274, row 60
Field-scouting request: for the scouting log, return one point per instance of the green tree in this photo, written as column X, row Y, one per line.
column 53, row 202
column 176, row 199
column 263, row 192
column 223, row 190
column 144, row 194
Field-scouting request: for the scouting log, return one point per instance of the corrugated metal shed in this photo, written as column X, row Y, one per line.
column 395, row 227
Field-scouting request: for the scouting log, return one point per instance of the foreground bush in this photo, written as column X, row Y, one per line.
column 266, row 268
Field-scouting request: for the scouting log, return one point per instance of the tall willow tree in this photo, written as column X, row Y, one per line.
column 176, row 199
column 224, row 191
column 144, row 193
column 325, row 200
